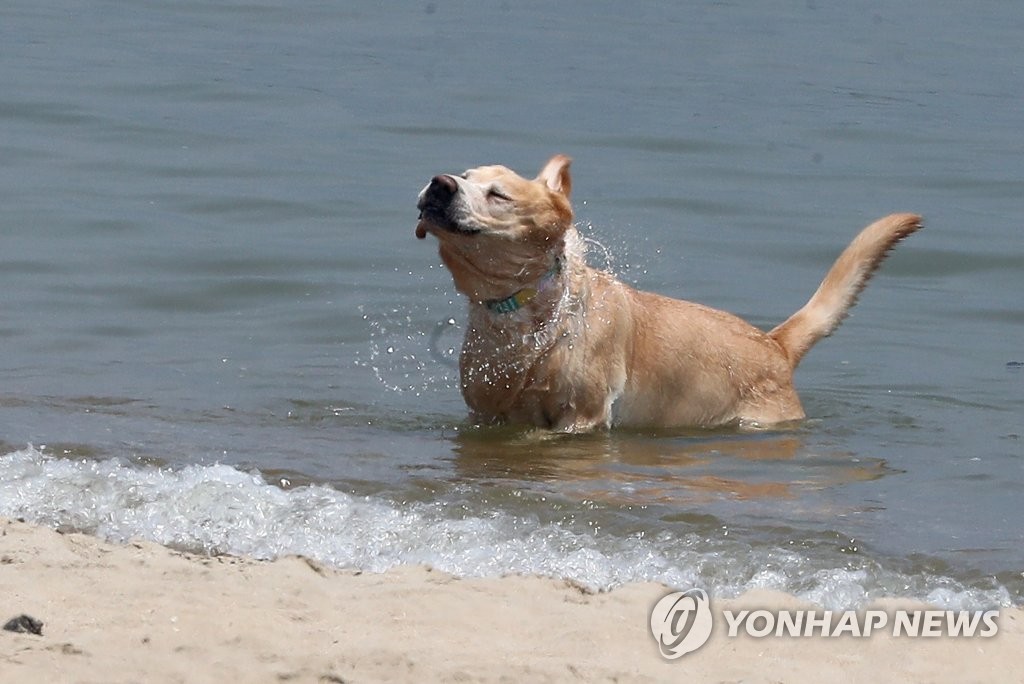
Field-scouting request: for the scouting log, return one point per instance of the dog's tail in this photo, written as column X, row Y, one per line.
column 827, row 308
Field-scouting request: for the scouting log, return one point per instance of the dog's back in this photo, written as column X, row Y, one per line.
column 711, row 368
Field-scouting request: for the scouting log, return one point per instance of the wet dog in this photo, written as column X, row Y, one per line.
column 554, row 343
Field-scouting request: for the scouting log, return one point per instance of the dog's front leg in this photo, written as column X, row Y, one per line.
column 591, row 408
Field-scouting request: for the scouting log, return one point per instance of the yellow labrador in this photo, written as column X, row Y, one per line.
column 554, row 343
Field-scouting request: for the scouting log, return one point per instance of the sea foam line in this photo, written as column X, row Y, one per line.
column 221, row 509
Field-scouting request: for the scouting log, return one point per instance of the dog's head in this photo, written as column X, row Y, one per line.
column 498, row 231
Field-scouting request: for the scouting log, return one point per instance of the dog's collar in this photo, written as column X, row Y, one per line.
column 521, row 298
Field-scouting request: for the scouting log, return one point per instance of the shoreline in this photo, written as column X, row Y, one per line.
column 143, row 612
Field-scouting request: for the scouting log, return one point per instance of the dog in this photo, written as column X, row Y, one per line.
column 551, row 342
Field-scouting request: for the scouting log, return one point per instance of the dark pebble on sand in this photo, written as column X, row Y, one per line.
column 26, row 624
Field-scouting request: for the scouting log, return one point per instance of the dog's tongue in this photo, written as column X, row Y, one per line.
column 421, row 230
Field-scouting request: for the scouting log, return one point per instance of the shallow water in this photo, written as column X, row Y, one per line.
column 219, row 332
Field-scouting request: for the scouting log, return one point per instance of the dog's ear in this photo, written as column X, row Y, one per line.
column 555, row 174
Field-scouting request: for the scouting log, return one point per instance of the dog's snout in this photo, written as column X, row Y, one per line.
column 435, row 204
column 442, row 188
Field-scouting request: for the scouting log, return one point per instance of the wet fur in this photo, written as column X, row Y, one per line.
column 591, row 352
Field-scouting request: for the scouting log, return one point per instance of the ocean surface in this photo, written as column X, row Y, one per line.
column 218, row 331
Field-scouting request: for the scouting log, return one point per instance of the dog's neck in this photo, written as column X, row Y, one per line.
column 521, row 298
column 536, row 322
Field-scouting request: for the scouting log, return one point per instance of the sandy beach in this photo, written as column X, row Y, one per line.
column 142, row 612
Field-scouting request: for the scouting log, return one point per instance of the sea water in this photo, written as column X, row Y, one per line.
column 218, row 331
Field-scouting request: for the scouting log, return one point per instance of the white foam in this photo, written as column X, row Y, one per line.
column 219, row 509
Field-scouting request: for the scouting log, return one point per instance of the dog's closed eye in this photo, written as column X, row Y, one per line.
column 496, row 194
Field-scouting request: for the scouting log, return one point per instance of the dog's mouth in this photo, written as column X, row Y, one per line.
column 436, row 221
column 431, row 223
column 435, row 207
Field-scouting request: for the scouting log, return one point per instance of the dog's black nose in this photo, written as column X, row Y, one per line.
column 442, row 189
